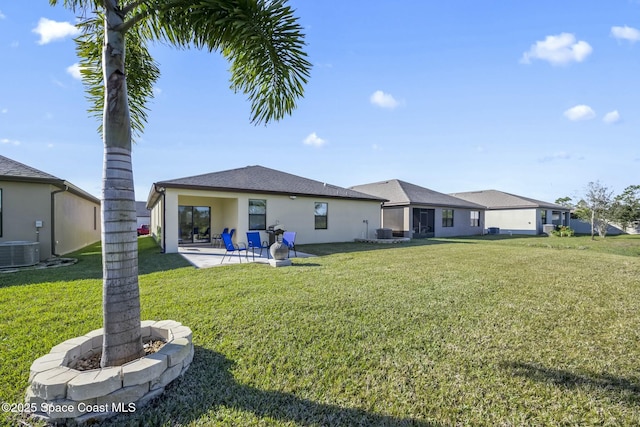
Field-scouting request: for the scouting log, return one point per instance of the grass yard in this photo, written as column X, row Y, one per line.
column 483, row 331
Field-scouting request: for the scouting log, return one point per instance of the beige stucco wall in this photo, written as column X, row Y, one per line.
column 77, row 222
column 22, row 205
column 25, row 203
column 231, row 210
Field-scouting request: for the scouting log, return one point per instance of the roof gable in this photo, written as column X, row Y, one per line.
column 494, row 199
column 260, row 179
column 403, row 193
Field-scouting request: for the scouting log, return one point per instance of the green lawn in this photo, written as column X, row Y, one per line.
column 492, row 330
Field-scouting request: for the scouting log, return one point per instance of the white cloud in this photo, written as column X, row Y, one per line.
column 9, row 141
column 156, row 91
column 314, row 140
column 579, row 113
column 2, row 15
column 626, row 33
column 561, row 155
column 4, row 111
column 383, row 100
column 52, row 30
column 611, row 117
column 14, row 44
column 74, row 70
column 558, row 50
column 376, row 147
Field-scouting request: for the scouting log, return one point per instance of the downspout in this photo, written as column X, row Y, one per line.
column 162, row 191
column 53, row 219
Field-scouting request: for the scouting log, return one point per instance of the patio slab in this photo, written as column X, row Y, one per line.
column 202, row 256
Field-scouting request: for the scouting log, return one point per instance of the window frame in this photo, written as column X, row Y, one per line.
column 474, row 222
column 316, row 217
column 447, row 220
column 263, row 223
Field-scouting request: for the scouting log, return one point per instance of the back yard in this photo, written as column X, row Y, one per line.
column 488, row 331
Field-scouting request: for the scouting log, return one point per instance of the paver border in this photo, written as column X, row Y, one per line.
column 58, row 393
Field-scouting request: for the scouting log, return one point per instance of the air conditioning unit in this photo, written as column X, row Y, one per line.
column 19, row 254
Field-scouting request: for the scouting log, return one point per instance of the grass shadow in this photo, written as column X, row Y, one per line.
column 348, row 247
column 622, row 389
column 89, row 265
column 209, row 385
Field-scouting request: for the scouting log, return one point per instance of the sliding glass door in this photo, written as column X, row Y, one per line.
column 194, row 224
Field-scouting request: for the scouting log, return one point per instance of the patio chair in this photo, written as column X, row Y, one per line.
column 231, row 248
column 216, row 239
column 289, row 239
column 253, row 243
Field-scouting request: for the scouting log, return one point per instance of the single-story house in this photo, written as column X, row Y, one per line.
column 51, row 213
column 143, row 216
column 418, row 212
column 192, row 209
column 509, row 213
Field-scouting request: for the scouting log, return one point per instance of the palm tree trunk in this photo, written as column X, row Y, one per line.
column 120, row 293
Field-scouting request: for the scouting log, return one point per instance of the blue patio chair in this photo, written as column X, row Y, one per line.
column 231, row 248
column 254, row 242
column 289, row 239
column 233, row 230
column 216, row 239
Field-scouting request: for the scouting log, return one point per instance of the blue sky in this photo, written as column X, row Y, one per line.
column 533, row 98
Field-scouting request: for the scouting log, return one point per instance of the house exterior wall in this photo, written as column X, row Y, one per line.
column 231, row 210
column 461, row 223
column 77, row 222
column 25, row 203
column 518, row 221
column 22, row 205
column 401, row 219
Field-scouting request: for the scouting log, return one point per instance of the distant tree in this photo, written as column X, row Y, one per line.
column 564, row 201
column 597, row 206
column 626, row 206
column 263, row 42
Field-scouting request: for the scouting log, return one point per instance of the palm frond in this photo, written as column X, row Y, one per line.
column 261, row 38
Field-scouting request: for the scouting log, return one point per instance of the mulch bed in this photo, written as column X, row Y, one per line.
column 87, row 363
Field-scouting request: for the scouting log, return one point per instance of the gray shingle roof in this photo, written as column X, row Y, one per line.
column 11, row 168
column 141, row 209
column 404, row 193
column 494, row 199
column 259, row 179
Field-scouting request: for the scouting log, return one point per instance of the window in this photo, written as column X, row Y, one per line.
column 0, row 212
column 257, row 214
column 321, row 215
column 447, row 217
column 475, row 218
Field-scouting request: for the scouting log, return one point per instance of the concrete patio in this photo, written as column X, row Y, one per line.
column 206, row 256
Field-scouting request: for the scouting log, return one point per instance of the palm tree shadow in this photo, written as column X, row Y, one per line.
column 209, row 384
column 619, row 388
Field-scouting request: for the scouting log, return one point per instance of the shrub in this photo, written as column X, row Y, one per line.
column 563, row 231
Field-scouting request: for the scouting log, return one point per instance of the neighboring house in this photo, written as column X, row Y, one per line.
column 38, row 207
column 418, row 212
column 143, row 216
column 516, row 214
column 192, row 209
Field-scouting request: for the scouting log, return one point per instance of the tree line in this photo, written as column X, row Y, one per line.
column 601, row 208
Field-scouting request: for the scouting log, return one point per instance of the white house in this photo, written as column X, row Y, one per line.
column 510, row 213
column 192, row 209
